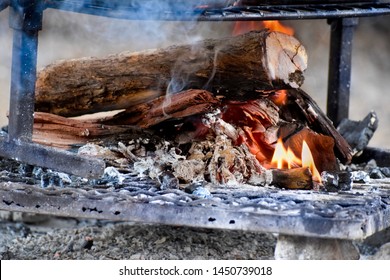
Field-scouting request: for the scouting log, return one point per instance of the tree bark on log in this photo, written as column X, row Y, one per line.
column 235, row 67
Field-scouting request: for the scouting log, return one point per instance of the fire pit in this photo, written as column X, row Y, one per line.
column 342, row 215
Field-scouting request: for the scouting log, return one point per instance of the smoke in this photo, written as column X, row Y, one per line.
column 71, row 34
column 128, row 25
column 144, row 22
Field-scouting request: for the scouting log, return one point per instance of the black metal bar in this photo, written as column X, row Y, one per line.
column 3, row 4
column 26, row 20
column 339, row 79
column 176, row 10
column 63, row 161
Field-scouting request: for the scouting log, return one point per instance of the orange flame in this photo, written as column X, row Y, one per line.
column 285, row 158
column 257, row 134
column 241, row 27
column 275, row 25
column 308, row 161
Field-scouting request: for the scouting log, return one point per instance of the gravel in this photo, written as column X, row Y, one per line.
column 65, row 238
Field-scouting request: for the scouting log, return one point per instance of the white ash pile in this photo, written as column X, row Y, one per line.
column 215, row 160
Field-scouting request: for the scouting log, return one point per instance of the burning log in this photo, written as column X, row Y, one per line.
column 321, row 146
column 236, row 67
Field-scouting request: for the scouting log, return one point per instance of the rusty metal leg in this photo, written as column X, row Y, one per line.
column 339, row 79
column 26, row 21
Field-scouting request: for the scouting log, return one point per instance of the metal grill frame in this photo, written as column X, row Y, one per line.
column 308, row 10
column 349, row 216
column 26, row 21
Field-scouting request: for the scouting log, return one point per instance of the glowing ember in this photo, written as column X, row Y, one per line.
column 279, row 97
column 285, row 158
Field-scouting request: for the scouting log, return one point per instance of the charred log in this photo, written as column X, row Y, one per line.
column 296, row 178
column 359, row 133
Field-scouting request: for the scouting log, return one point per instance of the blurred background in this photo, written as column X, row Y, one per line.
column 69, row 35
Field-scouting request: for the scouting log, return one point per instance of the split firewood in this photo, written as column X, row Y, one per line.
column 180, row 105
column 61, row 132
column 236, row 67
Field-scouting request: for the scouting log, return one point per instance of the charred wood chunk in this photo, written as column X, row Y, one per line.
column 381, row 156
column 296, row 178
column 168, row 180
column 359, row 133
column 337, row 181
column 198, row 189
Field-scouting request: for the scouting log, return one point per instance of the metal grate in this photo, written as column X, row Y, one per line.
column 172, row 11
column 353, row 214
